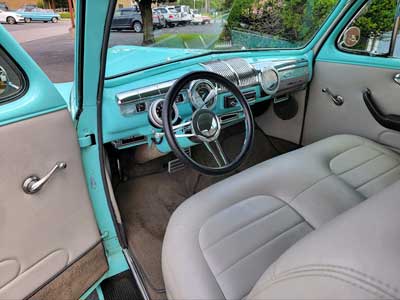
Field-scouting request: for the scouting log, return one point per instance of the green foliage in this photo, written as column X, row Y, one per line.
column 377, row 18
column 65, row 15
column 40, row 3
column 294, row 20
column 239, row 9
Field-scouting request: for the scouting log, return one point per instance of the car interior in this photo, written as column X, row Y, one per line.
column 225, row 173
column 205, row 165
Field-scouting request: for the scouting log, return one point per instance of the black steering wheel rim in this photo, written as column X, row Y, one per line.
column 168, row 126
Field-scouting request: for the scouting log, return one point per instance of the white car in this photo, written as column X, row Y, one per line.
column 185, row 15
column 10, row 17
column 170, row 14
column 196, row 17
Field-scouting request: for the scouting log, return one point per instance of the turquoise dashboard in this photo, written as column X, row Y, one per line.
column 132, row 109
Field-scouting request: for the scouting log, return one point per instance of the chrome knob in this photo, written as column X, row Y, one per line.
column 33, row 183
column 396, row 78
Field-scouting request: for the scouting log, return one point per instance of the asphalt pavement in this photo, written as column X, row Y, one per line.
column 51, row 45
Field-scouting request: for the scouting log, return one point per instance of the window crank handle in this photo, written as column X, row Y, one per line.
column 336, row 99
column 33, row 184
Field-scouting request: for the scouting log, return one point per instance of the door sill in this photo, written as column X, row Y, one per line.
column 136, row 274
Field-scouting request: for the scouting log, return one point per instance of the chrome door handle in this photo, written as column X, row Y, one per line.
column 396, row 78
column 33, row 183
column 336, row 99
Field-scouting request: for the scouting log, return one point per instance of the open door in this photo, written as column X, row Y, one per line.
column 50, row 244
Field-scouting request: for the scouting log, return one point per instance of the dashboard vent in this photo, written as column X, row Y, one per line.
column 237, row 70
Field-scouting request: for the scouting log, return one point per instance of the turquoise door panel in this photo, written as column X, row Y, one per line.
column 330, row 52
column 41, row 97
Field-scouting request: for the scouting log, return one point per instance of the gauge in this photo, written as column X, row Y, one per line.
column 155, row 113
column 269, row 80
column 199, row 91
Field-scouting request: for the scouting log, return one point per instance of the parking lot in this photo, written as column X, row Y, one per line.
column 52, row 45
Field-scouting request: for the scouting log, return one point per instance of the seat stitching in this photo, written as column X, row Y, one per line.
column 245, row 226
column 259, row 247
column 380, row 175
column 359, row 165
column 326, row 267
column 309, row 187
column 377, row 285
column 375, row 293
column 348, row 150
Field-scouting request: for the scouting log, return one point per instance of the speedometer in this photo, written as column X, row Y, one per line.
column 269, row 80
column 201, row 91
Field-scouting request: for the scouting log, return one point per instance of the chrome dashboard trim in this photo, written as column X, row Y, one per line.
column 294, row 74
column 144, row 92
column 238, row 70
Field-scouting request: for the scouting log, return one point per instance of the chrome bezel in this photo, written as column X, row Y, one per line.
column 155, row 120
column 193, row 86
column 263, row 84
column 201, row 137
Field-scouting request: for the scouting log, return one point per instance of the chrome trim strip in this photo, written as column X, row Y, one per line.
column 291, row 67
column 137, row 94
column 136, row 274
column 394, row 35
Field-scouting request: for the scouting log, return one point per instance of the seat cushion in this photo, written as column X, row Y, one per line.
column 220, row 241
column 356, row 256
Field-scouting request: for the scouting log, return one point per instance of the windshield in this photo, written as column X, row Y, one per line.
column 196, row 27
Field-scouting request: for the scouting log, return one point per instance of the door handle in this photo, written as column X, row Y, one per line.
column 388, row 121
column 336, row 99
column 396, row 78
column 33, row 183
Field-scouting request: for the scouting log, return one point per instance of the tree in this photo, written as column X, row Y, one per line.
column 378, row 17
column 147, row 19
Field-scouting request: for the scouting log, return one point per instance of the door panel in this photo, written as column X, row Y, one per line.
column 42, row 233
column 324, row 118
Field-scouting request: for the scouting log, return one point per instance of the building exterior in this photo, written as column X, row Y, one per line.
column 15, row 4
column 125, row 3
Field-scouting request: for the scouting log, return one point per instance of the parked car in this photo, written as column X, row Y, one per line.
column 206, row 20
column 127, row 18
column 10, row 17
column 184, row 14
column 31, row 13
column 170, row 14
column 196, row 17
column 159, row 20
column 130, row 18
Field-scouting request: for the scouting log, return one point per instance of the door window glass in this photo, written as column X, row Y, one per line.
column 12, row 82
column 370, row 33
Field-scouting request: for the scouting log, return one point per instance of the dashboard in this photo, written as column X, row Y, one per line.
column 133, row 114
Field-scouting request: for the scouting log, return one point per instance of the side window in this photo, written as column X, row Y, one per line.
column 370, row 33
column 12, row 83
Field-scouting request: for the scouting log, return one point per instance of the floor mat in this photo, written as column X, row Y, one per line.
column 146, row 204
column 121, row 287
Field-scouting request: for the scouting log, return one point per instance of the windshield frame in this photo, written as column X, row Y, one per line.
column 331, row 17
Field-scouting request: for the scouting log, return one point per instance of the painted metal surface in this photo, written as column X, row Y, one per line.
column 41, row 97
column 87, row 125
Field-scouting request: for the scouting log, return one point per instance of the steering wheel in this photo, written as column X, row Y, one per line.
column 204, row 126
